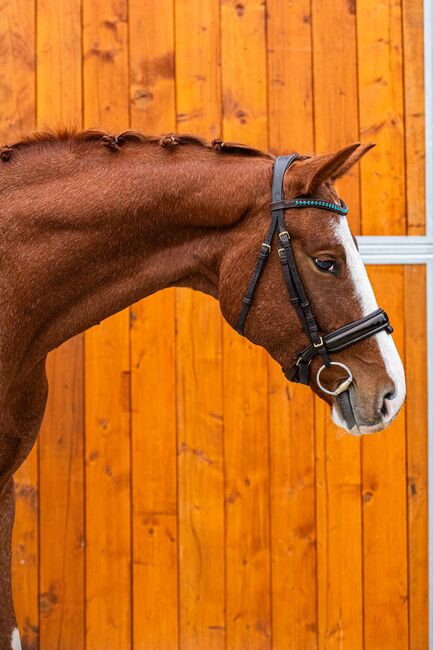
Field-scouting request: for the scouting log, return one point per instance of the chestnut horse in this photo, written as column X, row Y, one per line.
column 91, row 223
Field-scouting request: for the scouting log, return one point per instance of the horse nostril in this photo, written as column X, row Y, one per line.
column 384, row 410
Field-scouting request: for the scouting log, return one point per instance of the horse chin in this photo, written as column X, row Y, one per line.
column 344, row 417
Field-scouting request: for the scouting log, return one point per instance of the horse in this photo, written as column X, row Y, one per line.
column 92, row 222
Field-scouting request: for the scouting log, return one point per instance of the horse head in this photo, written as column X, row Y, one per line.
column 315, row 313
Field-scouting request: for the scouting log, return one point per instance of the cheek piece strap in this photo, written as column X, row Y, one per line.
column 320, row 344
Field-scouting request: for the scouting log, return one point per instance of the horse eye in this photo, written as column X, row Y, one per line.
column 327, row 266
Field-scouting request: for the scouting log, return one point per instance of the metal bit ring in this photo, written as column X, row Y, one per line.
column 342, row 387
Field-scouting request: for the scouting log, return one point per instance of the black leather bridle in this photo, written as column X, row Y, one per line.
column 320, row 344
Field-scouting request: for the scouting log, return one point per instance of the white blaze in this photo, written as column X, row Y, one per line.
column 16, row 641
column 367, row 300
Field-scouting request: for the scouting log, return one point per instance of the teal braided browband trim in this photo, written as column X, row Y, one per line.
column 341, row 209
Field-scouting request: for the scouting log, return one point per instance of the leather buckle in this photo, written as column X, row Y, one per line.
column 320, row 344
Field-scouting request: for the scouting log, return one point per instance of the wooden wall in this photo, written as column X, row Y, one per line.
column 182, row 495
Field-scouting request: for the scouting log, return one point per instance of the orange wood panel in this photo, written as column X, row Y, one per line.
column 107, row 370
column 17, row 114
column 291, row 408
column 417, row 453
column 61, row 597
column 201, row 502
column 335, row 89
column 61, row 468
column 153, row 387
column 339, row 535
column 17, row 70
column 199, row 365
column 154, row 473
column 244, row 84
column 414, row 118
column 151, row 42
column 293, row 516
column 290, row 77
column 384, row 501
column 59, row 63
column 380, row 74
column 339, row 557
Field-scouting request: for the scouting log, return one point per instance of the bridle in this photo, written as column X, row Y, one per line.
column 320, row 345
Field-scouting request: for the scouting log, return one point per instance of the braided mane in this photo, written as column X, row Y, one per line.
column 117, row 142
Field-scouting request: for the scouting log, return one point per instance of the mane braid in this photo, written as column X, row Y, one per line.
column 116, row 142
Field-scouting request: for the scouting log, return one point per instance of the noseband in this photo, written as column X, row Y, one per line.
column 320, row 345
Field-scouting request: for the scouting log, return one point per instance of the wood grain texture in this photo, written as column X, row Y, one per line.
column 335, row 90
column 290, row 77
column 199, row 365
column 339, row 536
column 61, row 597
column 152, row 58
column 380, row 75
column 293, row 514
column 417, row 454
column 107, row 368
column 154, row 477
column 413, row 48
column 384, row 502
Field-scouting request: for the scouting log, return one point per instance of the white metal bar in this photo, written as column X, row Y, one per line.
column 396, row 250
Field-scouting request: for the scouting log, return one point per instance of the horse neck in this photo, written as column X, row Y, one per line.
column 101, row 236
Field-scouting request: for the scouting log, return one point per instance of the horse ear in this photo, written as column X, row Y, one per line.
column 332, row 166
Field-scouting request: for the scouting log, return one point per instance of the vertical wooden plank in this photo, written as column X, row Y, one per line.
column 154, row 474
column 199, row 370
column 59, row 63
column 339, row 557
column 153, row 385
column 384, row 502
column 17, row 115
column 380, row 75
column 290, row 77
column 107, row 368
column 61, row 598
column 339, row 535
column 291, row 408
column 152, row 90
column 244, row 84
column 414, row 118
column 417, row 448
column 293, row 530
column 17, row 71
column 61, row 468
column 335, row 89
